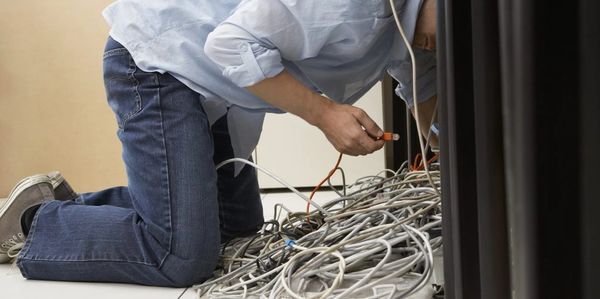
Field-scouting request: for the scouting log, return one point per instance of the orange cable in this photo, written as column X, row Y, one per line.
column 422, row 167
column 312, row 194
column 416, row 162
column 385, row 137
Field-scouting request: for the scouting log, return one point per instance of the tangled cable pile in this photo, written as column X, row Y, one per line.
column 375, row 241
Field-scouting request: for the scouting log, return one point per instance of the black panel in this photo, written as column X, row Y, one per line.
column 450, row 283
column 590, row 146
column 541, row 113
column 487, row 87
column 519, row 98
column 461, row 245
column 398, row 121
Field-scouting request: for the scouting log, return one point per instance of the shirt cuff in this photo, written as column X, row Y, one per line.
column 258, row 63
column 426, row 88
column 426, row 78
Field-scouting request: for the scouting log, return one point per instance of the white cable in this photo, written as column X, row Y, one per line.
column 414, row 90
column 273, row 176
column 375, row 226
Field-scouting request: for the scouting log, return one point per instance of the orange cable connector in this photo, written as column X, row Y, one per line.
column 387, row 136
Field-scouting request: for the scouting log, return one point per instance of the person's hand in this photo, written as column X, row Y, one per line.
column 349, row 129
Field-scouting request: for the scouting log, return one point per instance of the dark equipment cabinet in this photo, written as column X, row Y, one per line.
column 519, row 93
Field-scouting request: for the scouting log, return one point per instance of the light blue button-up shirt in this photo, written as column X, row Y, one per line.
column 340, row 48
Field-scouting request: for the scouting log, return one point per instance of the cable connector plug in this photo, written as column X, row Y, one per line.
column 390, row 137
column 290, row 243
column 435, row 128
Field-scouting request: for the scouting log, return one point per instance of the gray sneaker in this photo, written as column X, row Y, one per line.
column 62, row 189
column 29, row 192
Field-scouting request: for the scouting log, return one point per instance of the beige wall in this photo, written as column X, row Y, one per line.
column 53, row 111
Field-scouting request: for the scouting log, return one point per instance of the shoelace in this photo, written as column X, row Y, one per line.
column 13, row 246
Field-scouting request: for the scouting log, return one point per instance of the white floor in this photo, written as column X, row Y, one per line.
column 13, row 285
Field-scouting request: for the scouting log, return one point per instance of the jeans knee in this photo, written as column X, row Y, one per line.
column 185, row 271
column 190, row 274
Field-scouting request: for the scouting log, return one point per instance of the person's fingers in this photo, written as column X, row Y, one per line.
column 354, row 142
column 366, row 122
column 367, row 138
column 377, row 145
column 343, row 144
column 352, row 131
column 369, row 144
column 349, row 149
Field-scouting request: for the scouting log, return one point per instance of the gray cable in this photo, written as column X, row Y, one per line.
column 356, row 246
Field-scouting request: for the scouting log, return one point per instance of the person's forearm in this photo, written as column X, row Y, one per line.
column 286, row 93
column 349, row 129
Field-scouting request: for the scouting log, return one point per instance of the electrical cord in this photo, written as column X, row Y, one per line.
column 414, row 88
column 273, row 176
column 374, row 242
column 331, row 172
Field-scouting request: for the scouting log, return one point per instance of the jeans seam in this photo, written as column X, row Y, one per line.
column 166, row 167
column 87, row 260
column 31, row 237
column 222, row 214
column 114, row 52
column 138, row 99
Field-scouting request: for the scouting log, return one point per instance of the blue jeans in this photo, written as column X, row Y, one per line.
column 166, row 227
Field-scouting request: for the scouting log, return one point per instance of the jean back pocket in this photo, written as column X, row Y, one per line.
column 121, row 85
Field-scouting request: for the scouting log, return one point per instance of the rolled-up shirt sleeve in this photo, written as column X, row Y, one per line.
column 247, row 46
column 426, row 77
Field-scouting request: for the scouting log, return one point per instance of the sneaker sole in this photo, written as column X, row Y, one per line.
column 22, row 186
column 26, row 182
column 56, row 178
